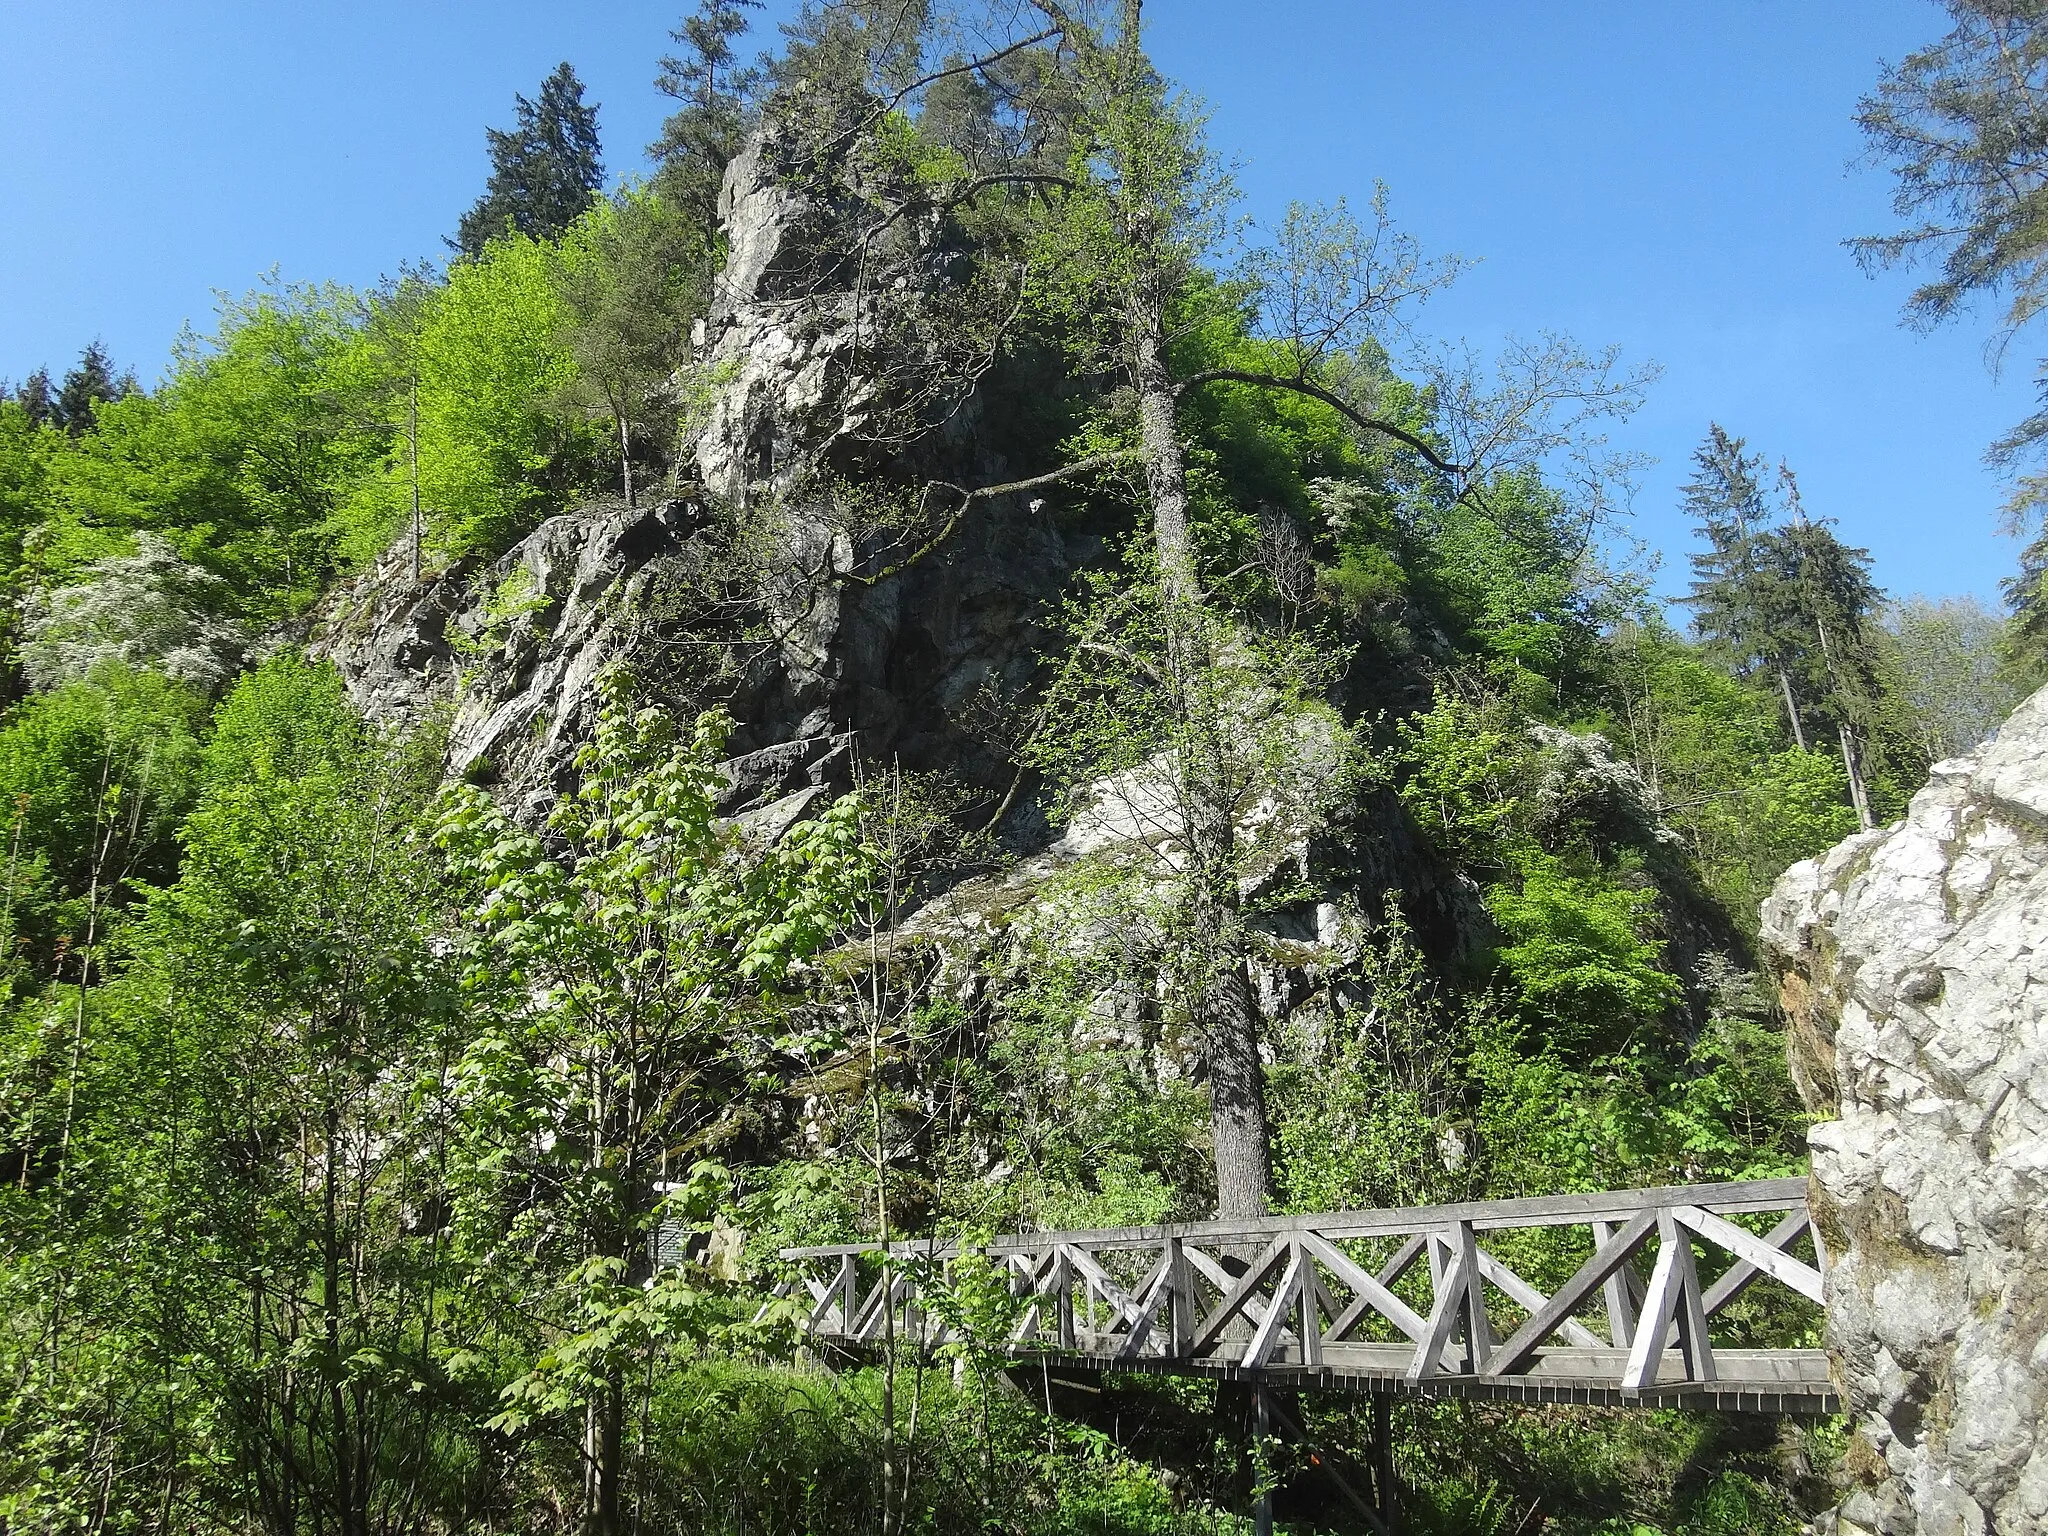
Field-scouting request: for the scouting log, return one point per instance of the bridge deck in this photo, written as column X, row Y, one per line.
column 1386, row 1302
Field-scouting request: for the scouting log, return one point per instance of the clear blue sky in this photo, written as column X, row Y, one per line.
column 1674, row 177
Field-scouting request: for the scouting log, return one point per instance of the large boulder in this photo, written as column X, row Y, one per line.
column 1913, row 963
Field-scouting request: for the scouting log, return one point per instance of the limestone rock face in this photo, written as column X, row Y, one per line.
column 889, row 664
column 1913, row 962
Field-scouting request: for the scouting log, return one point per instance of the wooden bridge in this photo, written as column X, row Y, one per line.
column 1421, row 1301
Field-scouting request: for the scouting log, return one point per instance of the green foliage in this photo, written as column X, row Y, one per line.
column 95, row 778
column 491, row 361
column 544, row 172
column 627, row 966
column 248, row 457
column 1578, row 955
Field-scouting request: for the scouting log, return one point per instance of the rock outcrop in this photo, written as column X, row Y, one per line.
column 1913, row 963
column 835, row 652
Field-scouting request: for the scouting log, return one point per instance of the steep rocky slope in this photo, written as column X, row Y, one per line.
column 1913, row 962
column 818, row 643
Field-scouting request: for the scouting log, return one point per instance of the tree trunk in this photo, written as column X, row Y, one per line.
column 1219, row 988
column 626, row 459
column 1859, row 796
column 1792, row 710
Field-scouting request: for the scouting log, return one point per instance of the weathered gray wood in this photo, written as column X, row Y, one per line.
column 1445, row 1314
column 1622, row 1290
column 1235, row 1298
column 1759, row 1253
column 1527, row 1297
column 1659, row 1304
column 1371, row 1294
column 1403, row 1258
column 1266, row 1337
column 1606, row 1259
column 1483, row 1215
column 1692, row 1317
column 1283, row 1316
column 1479, row 1338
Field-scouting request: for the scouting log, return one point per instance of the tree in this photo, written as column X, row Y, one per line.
column 1125, row 262
column 629, row 285
column 631, row 966
column 148, row 609
column 700, row 138
column 86, row 388
column 37, row 399
column 1947, row 672
column 544, row 172
column 1964, row 126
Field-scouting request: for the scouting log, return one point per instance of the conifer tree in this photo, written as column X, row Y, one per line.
column 544, row 171
column 37, row 398
column 1963, row 123
column 85, row 388
column 703, row 134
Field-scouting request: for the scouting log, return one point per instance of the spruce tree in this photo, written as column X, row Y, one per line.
column 700, row 138
column 544, row 172
column 1726, row 501
column 86, row 387
column 37, row 398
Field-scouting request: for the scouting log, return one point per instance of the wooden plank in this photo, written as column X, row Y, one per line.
column 1371, row 1294
column 1484, row 1215
column 1759, row 1253
column 1692, row 1317
column 1529, row 1299
column 1479, row 1340
column 1234, row 1300
column 1622, row 1290
column 1223, row 1280
column 1610, row 1256
column 1266, row 1337
column 1443, row 1322
column 1403, row 1258
column 1660, row 1305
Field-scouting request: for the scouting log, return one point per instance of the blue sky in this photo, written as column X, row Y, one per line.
column 1673, row 177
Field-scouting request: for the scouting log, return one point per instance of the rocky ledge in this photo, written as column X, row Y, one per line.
column 1913, row 963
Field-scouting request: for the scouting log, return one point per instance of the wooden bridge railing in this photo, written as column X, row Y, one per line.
column 1414, row 1300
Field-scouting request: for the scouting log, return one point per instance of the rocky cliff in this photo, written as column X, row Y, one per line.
column 1913, row 963
column 743, row 582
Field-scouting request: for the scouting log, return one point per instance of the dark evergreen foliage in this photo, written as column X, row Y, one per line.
column 701, row 137
column 545, row 171
column 86, row 387
column 1725, row 499
column 37, row 399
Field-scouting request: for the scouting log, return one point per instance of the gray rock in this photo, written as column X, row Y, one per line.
column 887, row 667
column 1913, row 963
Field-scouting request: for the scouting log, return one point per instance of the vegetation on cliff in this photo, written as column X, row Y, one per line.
column 342, row 1109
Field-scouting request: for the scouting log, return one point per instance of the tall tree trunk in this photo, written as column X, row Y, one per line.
column 1220, row 986
column 626, row 458
column 1792, row 710
column 1859, row 796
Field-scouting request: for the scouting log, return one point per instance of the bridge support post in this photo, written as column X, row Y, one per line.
column 1383, row 1457
column 1262, row 1515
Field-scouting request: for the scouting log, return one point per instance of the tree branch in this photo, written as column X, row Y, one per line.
column 985, row 493
column 1335, row 402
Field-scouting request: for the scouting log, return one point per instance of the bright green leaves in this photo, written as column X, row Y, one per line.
column 490, row 361
column 1577, row 953
column 630, row 959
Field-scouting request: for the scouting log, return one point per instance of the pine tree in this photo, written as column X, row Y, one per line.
column 37, row 399
column 544, row 172
column 1816, row 604
column 701, row 137
column 85, row 388
column 1726, row 500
